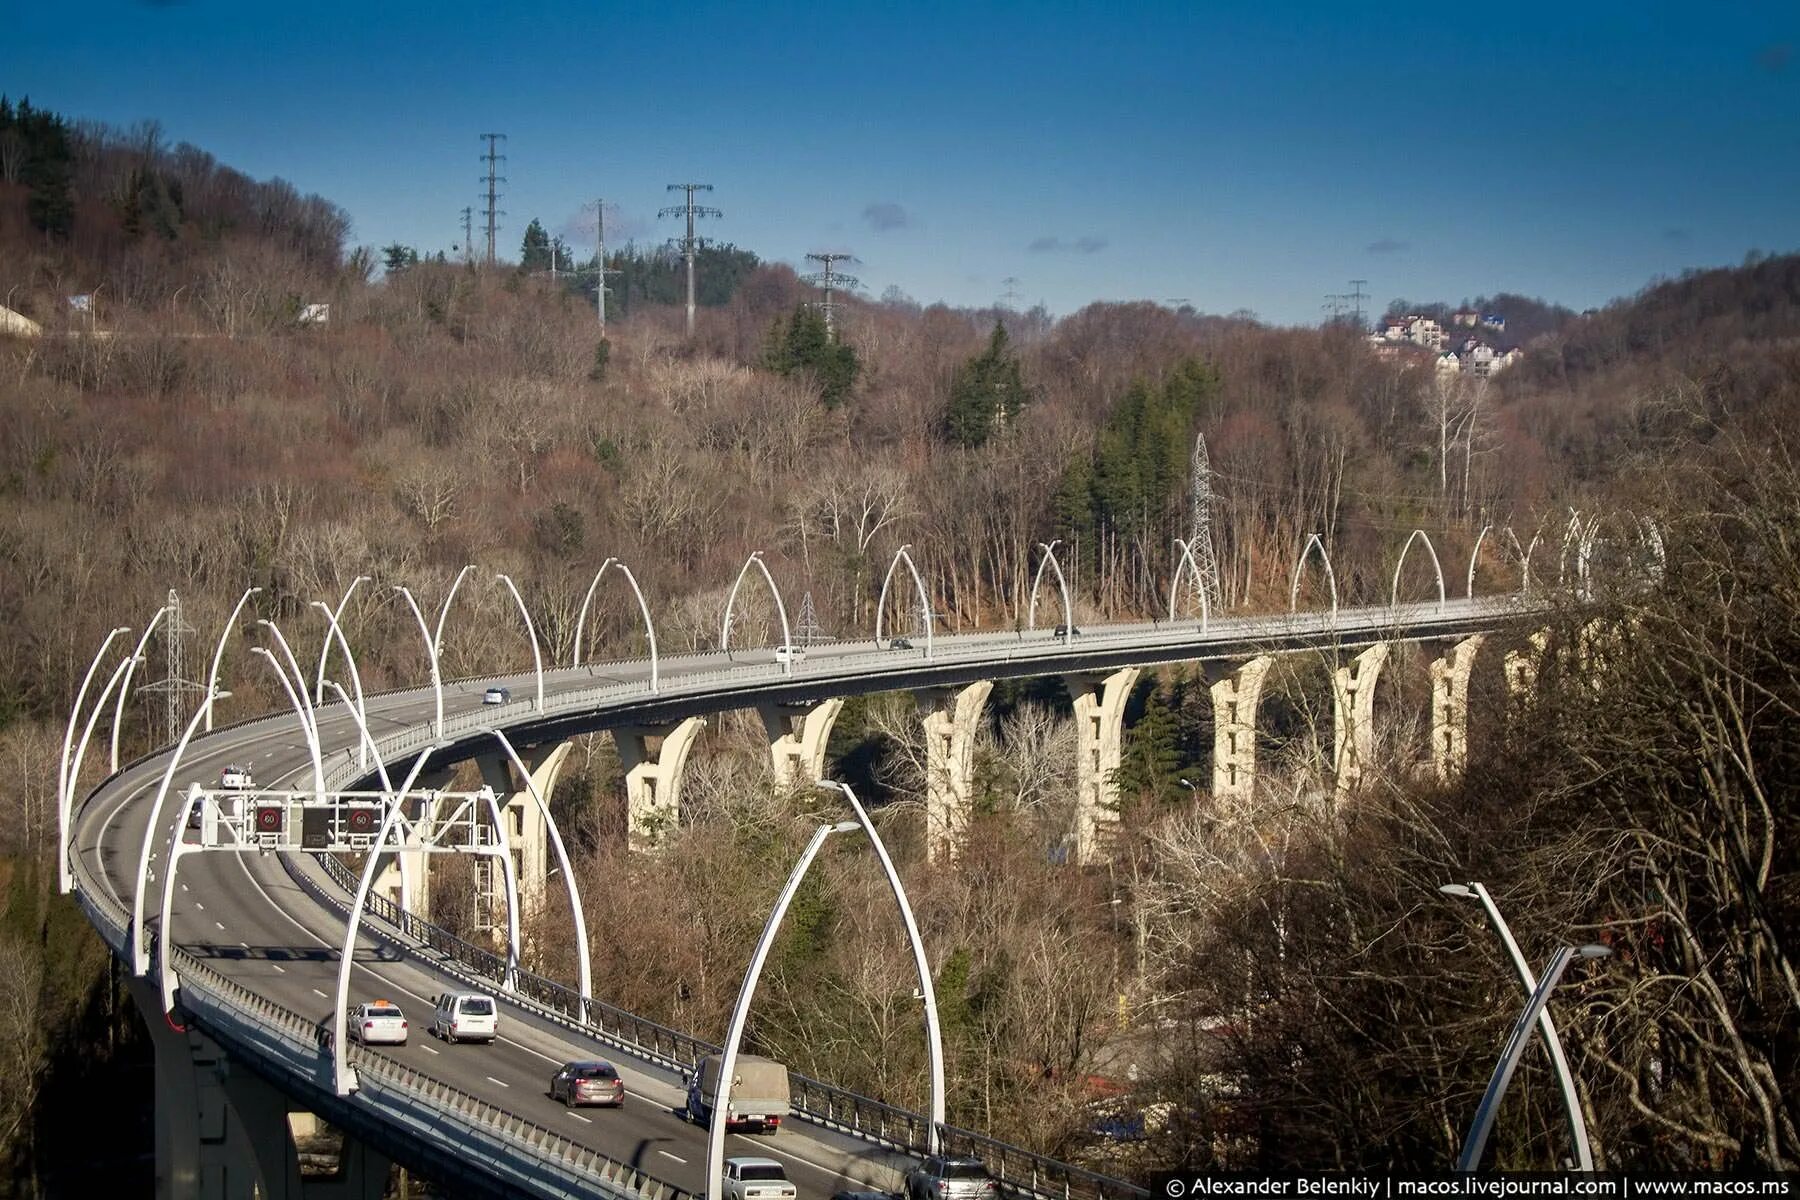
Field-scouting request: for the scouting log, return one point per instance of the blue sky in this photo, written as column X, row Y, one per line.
column 1234, row 155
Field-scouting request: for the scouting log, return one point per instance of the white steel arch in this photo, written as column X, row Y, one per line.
column 1475, row 555
column 140, row 954
column 339, row 1062
column 295, row 686
column 1571, row 541
column 361, row 710
column 437, row 638
column 721, row 1107
column 1652, row 537
column 787, row 637
column 902, row 555
column 934, row 1038
column 1313, row 539
column 137, row 656
column 337, row 615
column 1186, row 560
column 366, row 742
column 431, row 655
column 123, row 669
column 562, row 861
column 1436, row 566
column 1062, row 582
column 212, row 675
column 65, row 880
column 537, row 657
column 643, row 608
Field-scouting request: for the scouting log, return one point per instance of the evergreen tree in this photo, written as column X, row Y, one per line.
column 41, row 140
column 534, row 253
column 1151, row 764
column 986, row 394
column 803, row 345
column 395, row 258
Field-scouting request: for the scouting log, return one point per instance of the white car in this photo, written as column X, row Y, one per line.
column 496, row 695
column 236, row 779
column 756, row 1179
column 790, row 654
column 465, row 1016
column 379, row 1022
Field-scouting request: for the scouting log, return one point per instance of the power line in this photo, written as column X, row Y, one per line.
column 689, row 244
column 829, row 281
column 492, row 179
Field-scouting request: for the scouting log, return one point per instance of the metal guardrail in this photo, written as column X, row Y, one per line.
column 1015, row 1167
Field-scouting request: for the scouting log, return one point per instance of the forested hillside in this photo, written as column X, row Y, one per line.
column 446, row 415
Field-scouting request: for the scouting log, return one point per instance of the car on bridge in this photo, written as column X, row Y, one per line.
column 756, row 1179
column 496, row 695
column 379, row 1022
column 943, row 1178
column 465, row 1017
column 594, row 1081
column 236, row 779
column 1066, row 631
column 759, row 1093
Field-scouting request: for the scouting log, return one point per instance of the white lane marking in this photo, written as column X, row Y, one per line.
column 279, row 969
column 184, row 887
column 320, row 995
column 501, row 1082
column 218, row 927
column 676, row 1157
column 199, row 906
column 582, row 1119
column 429, row 1049
column 245, row 945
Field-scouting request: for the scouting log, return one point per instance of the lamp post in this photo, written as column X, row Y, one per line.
column 335, row 614
column 1578, row 1135
column 537, row 658
column 721, row 1104
column 65, row 880
column 212, row 676
column 437, row 682
column 1483, row 1125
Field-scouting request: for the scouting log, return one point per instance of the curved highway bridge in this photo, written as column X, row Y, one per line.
column 255, row 937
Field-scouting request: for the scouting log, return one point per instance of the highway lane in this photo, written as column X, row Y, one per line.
column 256, row 926
column 243, row 913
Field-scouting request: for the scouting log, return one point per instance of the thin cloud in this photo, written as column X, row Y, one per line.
column 1775, row 57
column 1677, row 236
column 885, row 215
column 1388, row 246
column 1055, row 245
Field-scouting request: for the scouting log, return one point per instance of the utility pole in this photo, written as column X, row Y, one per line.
column 468, row 245
column 829, row 280
column 600, row 267
column 492, row 179
column 690, row 243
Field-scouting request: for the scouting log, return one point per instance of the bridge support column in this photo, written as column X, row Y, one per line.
column 526, row 830
column 1099, row 741
column 1235, row 700
column 222, row 1132
column 797, row 737
column 1521, row 668
column 952, row 719
column 1450, row 708
column 1353, row 715
column 406, row 877
column 653, row 777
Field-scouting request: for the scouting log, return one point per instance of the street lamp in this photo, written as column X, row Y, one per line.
column 1578, row 1135
column 1483, row 1125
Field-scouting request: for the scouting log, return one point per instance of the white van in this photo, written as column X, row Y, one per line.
column 465, row 1017
column 790, row 654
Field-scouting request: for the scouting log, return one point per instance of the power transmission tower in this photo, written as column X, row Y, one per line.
column 600, row 267
column 1200, row 502
column 1356, row 296
column 175, row 685
column 493, row 157
column 830, row 280
column 1010, row 297
column 1335, row 303
column 808, row 629
column 468, row 245
column 690, row 243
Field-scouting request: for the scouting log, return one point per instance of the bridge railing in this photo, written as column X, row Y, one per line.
column 1019, row 1169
